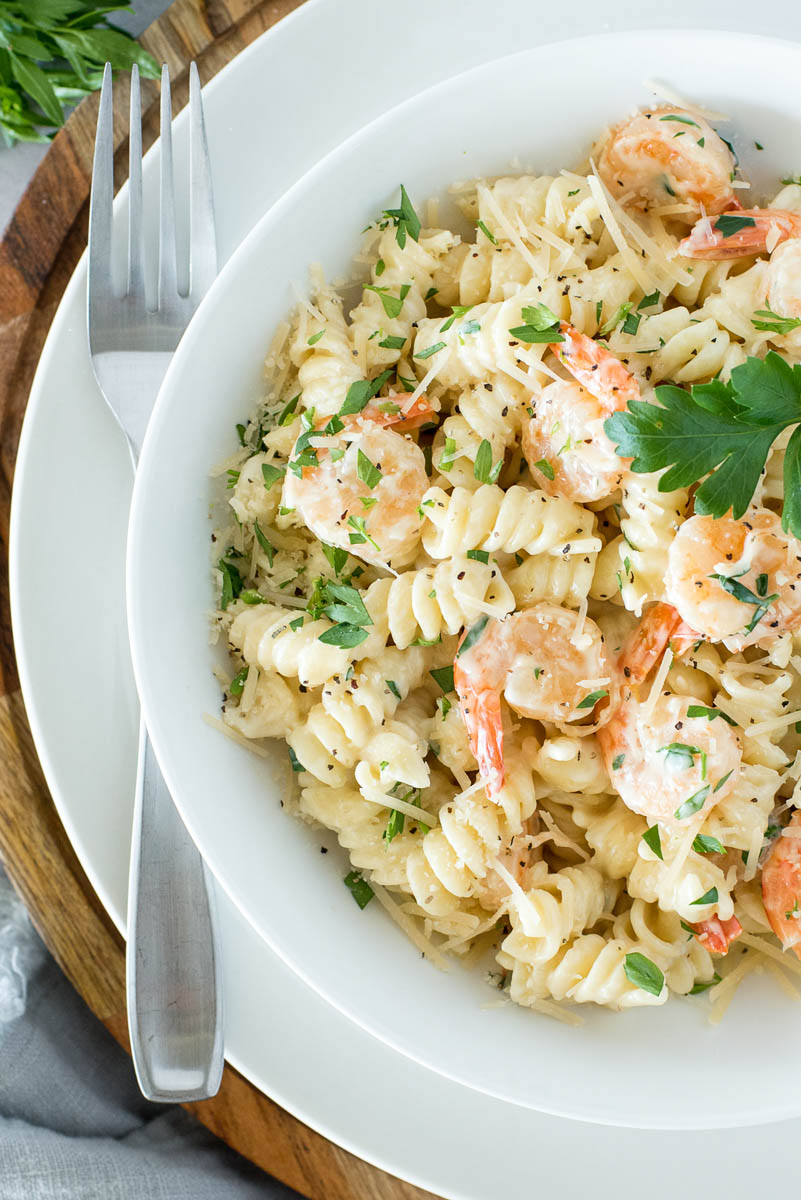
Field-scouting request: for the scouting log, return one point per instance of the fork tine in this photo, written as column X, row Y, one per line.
column 136, row 249
column 168, row 284
column 100, row 283
column 202, row 235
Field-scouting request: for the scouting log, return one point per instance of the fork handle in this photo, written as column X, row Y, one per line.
column 173, row 959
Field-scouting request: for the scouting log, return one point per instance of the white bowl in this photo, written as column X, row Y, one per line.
column 663, row 1067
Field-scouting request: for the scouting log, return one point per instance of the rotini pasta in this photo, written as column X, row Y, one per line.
column 551, row 709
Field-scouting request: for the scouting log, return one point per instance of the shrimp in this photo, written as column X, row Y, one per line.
column 739, row 233
column 717, row 935
column 362, row 489
column 784, row 279
column 665, row 764
column 736, row 581
column 668, row 153
column 564, row 443
column 546, row 668
column 781, row 886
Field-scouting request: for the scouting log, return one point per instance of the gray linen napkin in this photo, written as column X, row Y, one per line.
column 73, row 1125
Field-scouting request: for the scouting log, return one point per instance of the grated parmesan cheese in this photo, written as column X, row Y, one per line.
column 235, row 736
column 407, row 924
column 667, row 93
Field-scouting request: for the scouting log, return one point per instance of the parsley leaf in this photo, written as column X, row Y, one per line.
column 695, row 803
column 429, row 350
column 237, row 684
column 643, row 973
column 405, row 218
column 541, row 325
column 361, row 392
column 728, row 224
column 472, row 636
column 481, row 556
column 704, row 844
column 653, row 841
column 709, row 897
column 483, row 468
column 724, row 428
column 487, row 234
column 367, row 471
column 231, row 582
column 444, row 677
column 593, row 698
column 703, row 985
column 359, row 888
column 701, row 710
column 393, row 687
column 771, row 322
column 336, row 556
column 393, row 343
column 458, row 311
column 271, row 474
column 545, row 467
column 616, row 318
column 392, row 305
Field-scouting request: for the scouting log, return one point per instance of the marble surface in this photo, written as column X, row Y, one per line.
column 18, row 163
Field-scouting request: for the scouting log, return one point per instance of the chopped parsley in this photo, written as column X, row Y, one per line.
column 392, row 305
column 472, row 636
column 685, row 755
column 481, row 556
column 251, row 596
column 709, row 897
column 631, row 323
column 231, row 582
column 287, row 414
column 297, row 765
column 393, row 687
column 336, row 556
column 360, row 536
column 617, row 761
column 483, row 468
column 361, row 392
column 593, row 698
column 616, row 318
column 359, row 888
column 644, row 974
column 541, row 325
column 379, row 267
column 271, row 474
column 240, row 433
column 545, row 467
column 429, row 350
column 648, row 301
column 728, row 224
column 367, row 471
column 237, row 684
column 458, row 311
column 393, row 343
column 771, row 322
column 444, row 677
column 682, row 120
column 701, row 710
column 703, row 985
column 480, row 225
column 653, row 841
column 695, row 803
column 405, row 218
column 315, row 337
column 704, row 844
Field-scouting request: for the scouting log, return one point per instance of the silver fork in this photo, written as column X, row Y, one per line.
column 173, row 960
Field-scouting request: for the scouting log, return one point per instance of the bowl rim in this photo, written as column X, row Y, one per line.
column 193, row 334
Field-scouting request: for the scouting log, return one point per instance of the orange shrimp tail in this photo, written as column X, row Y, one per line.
column 716, row 935
column 482, row 717
column 781, row 887
column 598, row 371
column 646, row 645
column 709, row 241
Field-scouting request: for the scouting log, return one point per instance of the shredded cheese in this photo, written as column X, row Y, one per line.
column 530, row 920
column 414, row 396
column 788, row 961
column 658, row 684
column 773, row 724
column 486, row 196
column 407, row 924
column 634, row 262
column 408, row 810
column 724, row 991
column 666, row 93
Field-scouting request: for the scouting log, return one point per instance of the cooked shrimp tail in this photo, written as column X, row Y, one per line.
column 781, row 886
column 391, row 412
column 591, row 364
column 661, row 625
column 717, row 935
column 735, row 234
column 481, row 711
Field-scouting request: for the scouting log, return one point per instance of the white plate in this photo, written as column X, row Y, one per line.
column 271, row 866
column 77, row 681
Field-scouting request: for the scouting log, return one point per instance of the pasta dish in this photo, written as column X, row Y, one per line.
column 511, row 564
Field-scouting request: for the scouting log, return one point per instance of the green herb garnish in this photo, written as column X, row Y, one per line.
column 444, row 677
column 721, row 433
column 237, row 684
column 472, row 636
column 406, row 220
column 483, row 468
column 704, row 844
column 545, row 467
column 709, row 897
column 653, row 841
column 359, row 888
column 644, row 974
column 693, row 805
column 593, row 698
column 771, row 322
column 367, row 471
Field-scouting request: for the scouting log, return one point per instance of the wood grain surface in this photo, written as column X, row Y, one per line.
column 38, row 254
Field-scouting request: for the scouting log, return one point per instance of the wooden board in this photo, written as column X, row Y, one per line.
column 38, row 254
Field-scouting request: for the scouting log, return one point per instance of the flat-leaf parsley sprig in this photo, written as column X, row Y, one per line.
column 720, row 433
column 52, row 54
